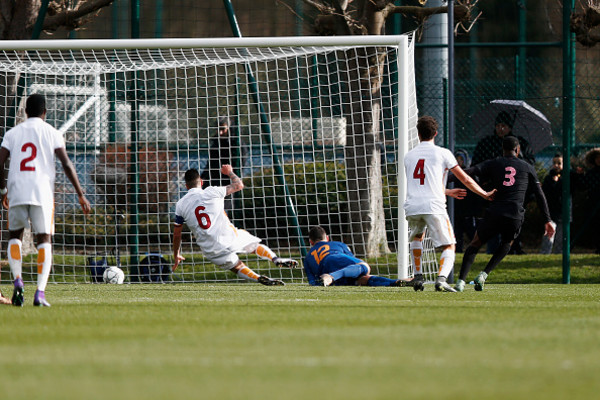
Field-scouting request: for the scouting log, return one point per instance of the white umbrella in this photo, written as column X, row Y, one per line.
column 528, row 122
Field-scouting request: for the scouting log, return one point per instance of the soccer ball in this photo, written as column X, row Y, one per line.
column 113, row 275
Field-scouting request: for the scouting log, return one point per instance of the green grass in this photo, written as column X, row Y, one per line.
column 245, row 341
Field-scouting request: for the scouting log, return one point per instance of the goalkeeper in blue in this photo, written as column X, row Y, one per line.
column 332, row 263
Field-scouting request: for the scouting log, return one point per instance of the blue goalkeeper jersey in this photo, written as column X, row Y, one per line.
column 326, row 257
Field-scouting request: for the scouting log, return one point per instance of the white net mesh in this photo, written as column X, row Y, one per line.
column 314, row 137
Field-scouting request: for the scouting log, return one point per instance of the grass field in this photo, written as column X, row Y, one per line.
column 244, row 341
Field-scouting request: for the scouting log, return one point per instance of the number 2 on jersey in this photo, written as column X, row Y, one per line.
column 419, row 172
column 28, row 146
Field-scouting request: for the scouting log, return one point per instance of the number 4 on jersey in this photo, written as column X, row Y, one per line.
column 419, row 172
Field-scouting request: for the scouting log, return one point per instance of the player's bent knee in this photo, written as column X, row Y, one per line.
column 365, row 269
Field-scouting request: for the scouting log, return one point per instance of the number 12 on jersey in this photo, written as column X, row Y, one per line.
column 419, row 172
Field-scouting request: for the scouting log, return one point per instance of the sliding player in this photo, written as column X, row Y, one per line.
column 513, row 178
column 202, row 210
column 31, row 147
column 332, row 263
column 427, row 167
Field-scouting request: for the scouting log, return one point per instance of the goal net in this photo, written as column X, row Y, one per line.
column 318, row 130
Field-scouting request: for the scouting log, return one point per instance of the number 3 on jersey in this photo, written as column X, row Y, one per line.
column 419, row 172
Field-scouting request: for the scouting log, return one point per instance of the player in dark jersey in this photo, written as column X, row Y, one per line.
column 332, row 263
column 512, row 178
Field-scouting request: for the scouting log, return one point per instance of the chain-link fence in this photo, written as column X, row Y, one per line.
column 482, row 74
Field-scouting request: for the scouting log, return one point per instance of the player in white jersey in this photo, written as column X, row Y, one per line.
column 427, row 167
column 203, row 211
column 29, row 196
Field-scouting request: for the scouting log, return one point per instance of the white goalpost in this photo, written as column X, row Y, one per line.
column 319, row 129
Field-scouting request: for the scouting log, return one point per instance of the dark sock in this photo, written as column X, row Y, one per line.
column 468, row 260
column 499, row 254
column 380, row 281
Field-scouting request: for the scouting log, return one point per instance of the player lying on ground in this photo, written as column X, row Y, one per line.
column 202, row 210
column 513, row 178
column 427, row 167
column 332, row 263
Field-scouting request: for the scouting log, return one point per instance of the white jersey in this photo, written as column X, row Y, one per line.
column 31, row 171
column 426, row 168
column 203, row 211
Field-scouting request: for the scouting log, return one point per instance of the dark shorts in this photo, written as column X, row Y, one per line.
column 492, row 225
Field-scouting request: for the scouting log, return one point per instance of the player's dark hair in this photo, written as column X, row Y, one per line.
column 504, row 118
column 558, row 154
column 191, row 176
column 35, row 105
column 427, row 126
column 510, row 143
column 316, row 234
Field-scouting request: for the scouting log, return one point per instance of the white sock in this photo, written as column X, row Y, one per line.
column 446, row 262
column 416, row 249
column 15, row 260
column 247, row 274
column 264, row 252
column 44, row 264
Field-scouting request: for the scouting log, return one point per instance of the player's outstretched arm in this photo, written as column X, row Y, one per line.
column 471, row 184
column 457, row 193
column 61, row 153
column 236, row 182
column 177, row 257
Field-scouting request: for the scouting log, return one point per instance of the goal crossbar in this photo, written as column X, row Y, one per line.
column 187, row 43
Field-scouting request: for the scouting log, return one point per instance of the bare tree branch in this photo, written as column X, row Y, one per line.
column 72, row 18
column 585, row 26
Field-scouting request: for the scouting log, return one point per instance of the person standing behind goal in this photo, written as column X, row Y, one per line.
column 427, row 167
column 202, row 210
column 29, row 196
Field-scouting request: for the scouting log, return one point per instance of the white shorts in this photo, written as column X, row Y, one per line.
column 41, row 217
column 244, row 243
column 440, row 228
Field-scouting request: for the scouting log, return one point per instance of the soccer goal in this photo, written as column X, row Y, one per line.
column 319, row 126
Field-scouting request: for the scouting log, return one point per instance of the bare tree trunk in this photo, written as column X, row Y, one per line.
column 366, row 229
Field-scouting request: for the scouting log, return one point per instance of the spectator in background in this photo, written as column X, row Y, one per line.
column 490, row 147
column 223, row 149
column 592, row 183
column 465, row 211
column 552, row 187
column 220, row 153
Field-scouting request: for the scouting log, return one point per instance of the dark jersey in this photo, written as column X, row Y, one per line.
column 326, row 257
column 512, row 178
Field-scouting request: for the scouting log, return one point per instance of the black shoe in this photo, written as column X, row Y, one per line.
column 285, row 262
column 265, row 280
column 400, row 283
column 418, row 283
column 18, row 297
